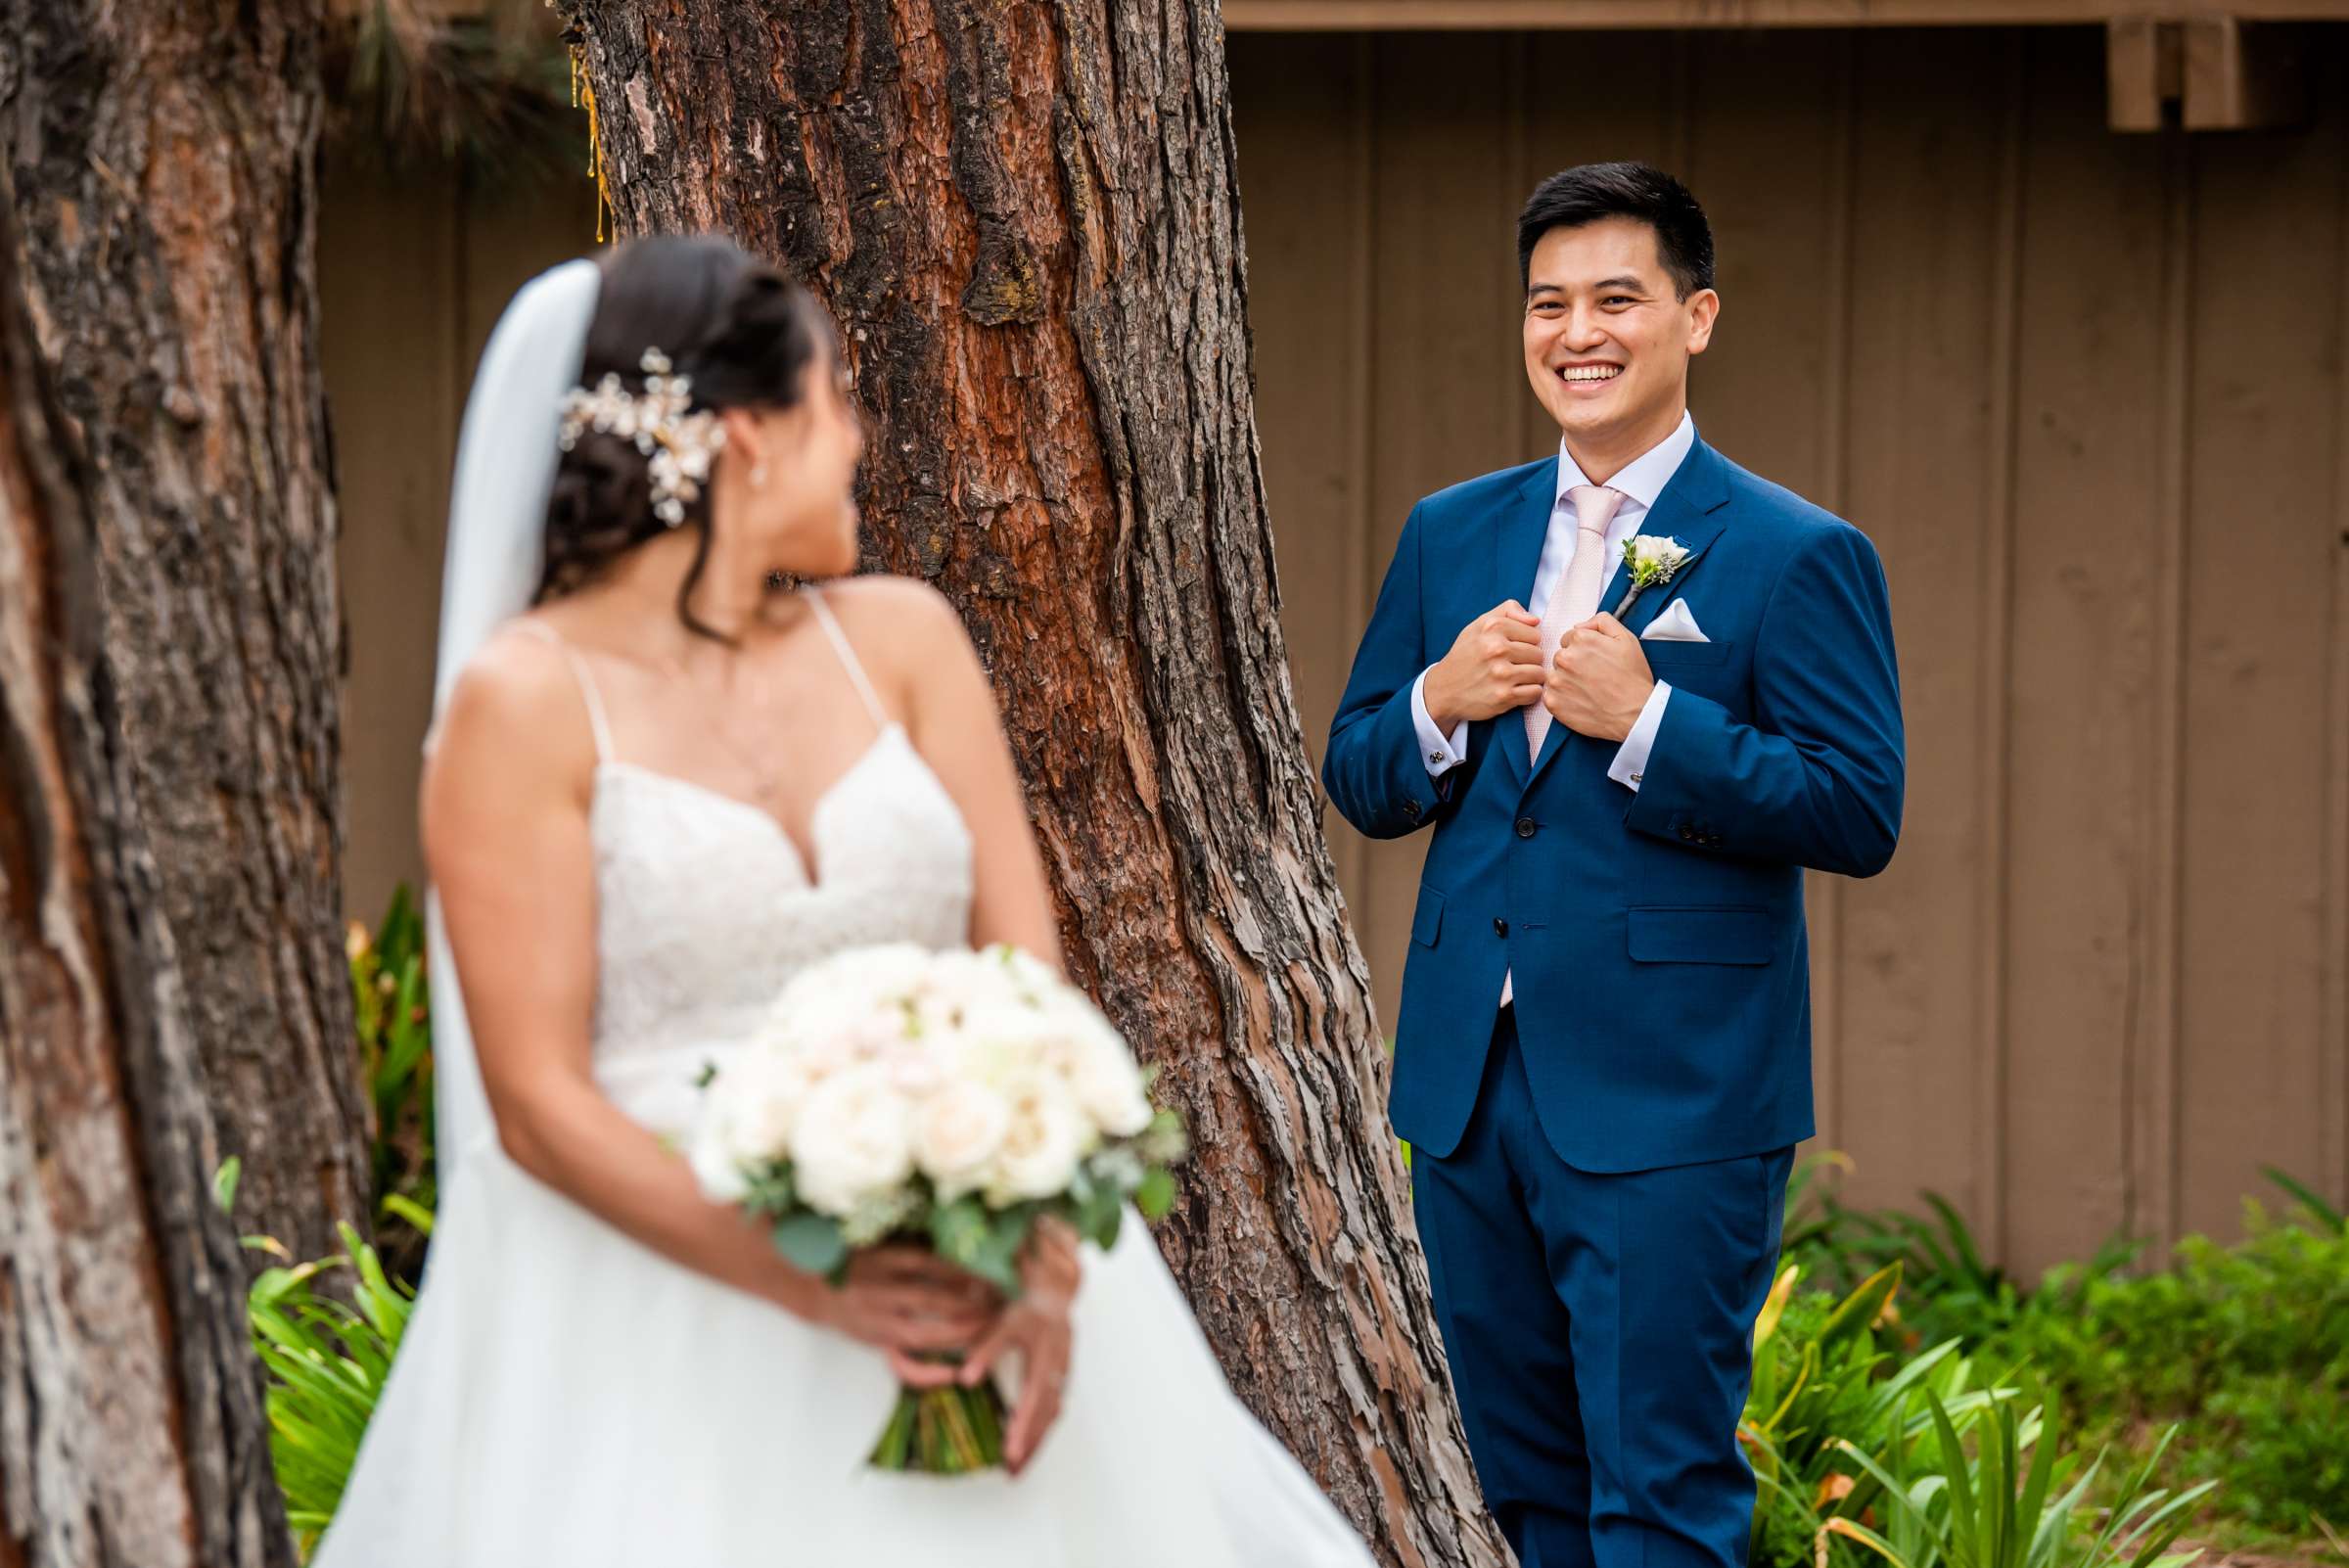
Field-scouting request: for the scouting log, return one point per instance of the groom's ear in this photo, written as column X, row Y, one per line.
column 1704, row 309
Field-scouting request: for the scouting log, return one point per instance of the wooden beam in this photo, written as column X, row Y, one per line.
column 1372, row 16
column 2241, row 78
column 2145, row 72
column 410, row 13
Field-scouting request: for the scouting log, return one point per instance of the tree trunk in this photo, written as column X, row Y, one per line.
column 1024, row 214
column 131, row 1425
column 162, row 158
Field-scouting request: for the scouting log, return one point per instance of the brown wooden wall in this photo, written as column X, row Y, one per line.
column 2085, row 393
column 412, row 273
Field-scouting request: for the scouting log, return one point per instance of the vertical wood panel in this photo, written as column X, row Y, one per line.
column 513, row 231
column 2332, row 1045
column 1301, row 113
column 1930, row 339
column 2149, row 1057
column 1993, row 725
column 2088, row 447
column 387, row 296
column 413, row 272
column 1824, row 894
column 2264, row 385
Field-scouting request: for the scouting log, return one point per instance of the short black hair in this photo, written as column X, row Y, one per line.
column 1592, row 192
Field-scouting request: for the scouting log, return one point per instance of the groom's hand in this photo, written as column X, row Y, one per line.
column 1495, row 665
column 1599, row 680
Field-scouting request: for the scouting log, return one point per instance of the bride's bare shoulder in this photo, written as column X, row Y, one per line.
column 513, row 718
column 899, row 623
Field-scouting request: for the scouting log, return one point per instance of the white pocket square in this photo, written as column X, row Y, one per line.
column 1676, row 624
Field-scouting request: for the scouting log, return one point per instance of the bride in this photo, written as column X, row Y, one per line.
column 657, row 789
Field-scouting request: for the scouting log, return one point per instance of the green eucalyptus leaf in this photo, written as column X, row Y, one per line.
column 1156, row 1196
column 958, row 1230
column 813, row 1242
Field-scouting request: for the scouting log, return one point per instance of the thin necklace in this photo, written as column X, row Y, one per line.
column 762, row 776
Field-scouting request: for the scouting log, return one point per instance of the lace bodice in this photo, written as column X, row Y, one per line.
column 705, row 909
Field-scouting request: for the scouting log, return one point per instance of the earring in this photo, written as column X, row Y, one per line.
column 758, row 476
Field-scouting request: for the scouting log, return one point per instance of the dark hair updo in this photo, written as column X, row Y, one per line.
column 741, row 331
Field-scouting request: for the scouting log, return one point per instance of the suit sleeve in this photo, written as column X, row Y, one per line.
column 1372, row 766
column 1817, row 779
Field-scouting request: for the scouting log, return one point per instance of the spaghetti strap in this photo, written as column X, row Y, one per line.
column 587, row 689
column 847, row 657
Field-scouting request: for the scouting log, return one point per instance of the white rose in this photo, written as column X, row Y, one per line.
column 854, row 1140
column 1108, row 1084
column 958, row 1131
column 1041, row 1146
column 716, row 1167
column 747, row 1117
column 775, row 1093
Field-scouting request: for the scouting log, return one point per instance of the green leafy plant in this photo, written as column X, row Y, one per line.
column 1825, row 1386
column 1953, row 1291
column 1860, row 1453
column 1984, row 1505
column 391, row 1006
column 327, row 1363
column 2244, row 1347
column 325, row 1359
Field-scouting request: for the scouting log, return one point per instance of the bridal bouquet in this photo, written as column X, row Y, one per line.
column 951, row 1099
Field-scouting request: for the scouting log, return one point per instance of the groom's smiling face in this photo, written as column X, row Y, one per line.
column 1608, row 337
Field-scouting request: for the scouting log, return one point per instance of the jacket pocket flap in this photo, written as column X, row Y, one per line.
column 1670, row 653
column 1428, row 919
column 1725, row 933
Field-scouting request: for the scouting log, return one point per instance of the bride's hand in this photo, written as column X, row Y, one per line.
column 1036, row 1326
column 912, row 1304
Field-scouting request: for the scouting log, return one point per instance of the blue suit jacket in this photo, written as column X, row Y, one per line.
column 1656, row 937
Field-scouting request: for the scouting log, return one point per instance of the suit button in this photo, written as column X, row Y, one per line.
column 1687, row 833
column 1411, row 810
column 1525, row 827
column 1715, row 840
column 1501, row 928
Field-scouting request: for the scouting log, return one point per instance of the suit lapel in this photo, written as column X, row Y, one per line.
column 1691, row 510
column 1516, row 556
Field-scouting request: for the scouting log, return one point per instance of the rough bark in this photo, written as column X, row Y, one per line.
column 1025, row 216
column 131, row 1424
column 162, row 158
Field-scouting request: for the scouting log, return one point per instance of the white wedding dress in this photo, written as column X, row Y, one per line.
column 567, row 1398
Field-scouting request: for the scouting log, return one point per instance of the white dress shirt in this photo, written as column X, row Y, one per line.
column 1641, row 481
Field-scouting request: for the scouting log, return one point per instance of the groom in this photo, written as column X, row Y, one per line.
column 1603, row 1059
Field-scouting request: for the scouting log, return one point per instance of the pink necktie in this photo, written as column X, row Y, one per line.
column 1575, row 598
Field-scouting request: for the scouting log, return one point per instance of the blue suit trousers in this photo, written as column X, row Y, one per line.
column 1599, row 1331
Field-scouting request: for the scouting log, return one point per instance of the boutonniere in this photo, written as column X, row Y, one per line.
column 1650, row 560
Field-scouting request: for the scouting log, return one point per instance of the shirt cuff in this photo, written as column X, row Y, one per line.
column 1631, row 758
column 1439, row 753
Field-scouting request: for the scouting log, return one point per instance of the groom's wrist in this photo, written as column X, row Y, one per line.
column 1628, row 719
column 1437, row 696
